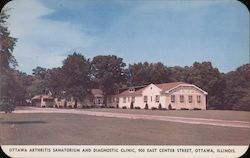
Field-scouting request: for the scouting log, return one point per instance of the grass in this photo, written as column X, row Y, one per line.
column 210, row 114
column 73, row 129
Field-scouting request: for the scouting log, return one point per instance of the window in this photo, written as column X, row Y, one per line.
column 131, row 90
column 117, row 100
column 145, row 99
column 198, row 98
column 133, row 99
column 172, row 98
column 181, row 98
column 124, row 99
column 190, row 99
column 157, row 98
column 113, row 99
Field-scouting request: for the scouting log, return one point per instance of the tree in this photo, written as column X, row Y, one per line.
column 75, row 76
column 39, row 72
column 237, row 93
column 205, row 76
column 146, row 73
column 108, row 71
column 179, row 74
column 8, row 84
column 7, row 43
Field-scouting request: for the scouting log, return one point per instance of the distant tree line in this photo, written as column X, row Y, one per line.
column 78, row 75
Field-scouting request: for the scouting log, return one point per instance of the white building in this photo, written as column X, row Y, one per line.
column 176, row 95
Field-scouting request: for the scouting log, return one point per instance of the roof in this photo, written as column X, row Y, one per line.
column 168, row 86
column 138, row 91
column 38, row 97
column 96, row 92
column 162, row 86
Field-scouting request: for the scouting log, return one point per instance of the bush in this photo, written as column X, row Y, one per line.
column 137, row 107
column 163, row 109
column 197, row 109
column 159, row 107
column 153, row 108
column 170, row 107
column 146, row 106
column 103, row 106
column 6, row 107
column 111, row 107
column 132, row 105
column 124, row 107
column 184, row 109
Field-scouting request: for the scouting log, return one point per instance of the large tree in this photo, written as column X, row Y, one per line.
column 8, row 84
column 205, row 76
column 7, row 43
column 108, row 71
column 237, row 93
column 75, row 74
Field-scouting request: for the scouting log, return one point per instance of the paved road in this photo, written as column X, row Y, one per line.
column 189, row 120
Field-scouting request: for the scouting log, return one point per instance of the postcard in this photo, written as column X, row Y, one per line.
column 121, row 78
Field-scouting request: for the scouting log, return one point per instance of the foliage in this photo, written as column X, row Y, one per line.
column 7, row 43
column 146, row 73
column 10, row 89
column 237, row 93
column 205, row 76
column 159, row 106
column 76, row 76
column 108, row 71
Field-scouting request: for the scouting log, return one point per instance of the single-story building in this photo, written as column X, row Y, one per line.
column 175, row 95
column 43, row 100
column 95, row 99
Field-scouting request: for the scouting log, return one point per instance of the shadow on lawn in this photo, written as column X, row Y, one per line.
column 22, row 122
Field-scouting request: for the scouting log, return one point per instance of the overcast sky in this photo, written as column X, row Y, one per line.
column 172, row 32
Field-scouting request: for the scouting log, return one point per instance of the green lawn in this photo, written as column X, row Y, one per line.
column 210, row 114
column 73, row 129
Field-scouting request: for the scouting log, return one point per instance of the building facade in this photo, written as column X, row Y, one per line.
column 176, row 95
column 43, row 100
column 94, row 99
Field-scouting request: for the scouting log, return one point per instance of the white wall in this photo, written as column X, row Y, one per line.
column 151, row 91
column 186, row 91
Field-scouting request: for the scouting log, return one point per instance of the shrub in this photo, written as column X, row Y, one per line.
column 184, row 109
column 6, row 107
column 170, row 107
column 132, row 105
column 137, row 107
column 159, row 107
column 103, row 106
column 163, row 109
column 124, row 107
column 146, row 106
column 153, row 108
column 197, row 109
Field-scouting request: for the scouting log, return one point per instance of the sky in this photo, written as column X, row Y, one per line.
column 176, row 33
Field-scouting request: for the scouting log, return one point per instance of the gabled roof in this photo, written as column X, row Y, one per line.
column 44, row 96
column 163, row 86
column 168, row 86
column 138, row 91
column 96, row 92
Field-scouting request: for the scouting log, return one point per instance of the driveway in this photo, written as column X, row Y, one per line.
column 188, row 120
